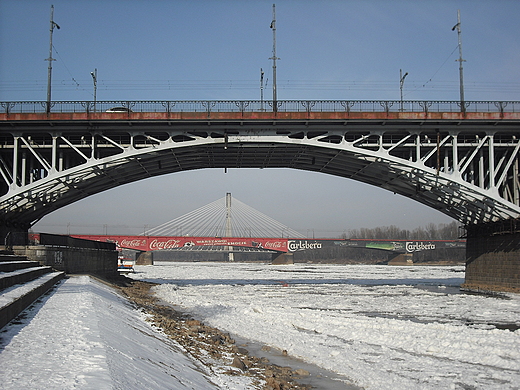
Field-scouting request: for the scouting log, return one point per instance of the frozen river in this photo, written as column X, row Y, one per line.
column 379, row 327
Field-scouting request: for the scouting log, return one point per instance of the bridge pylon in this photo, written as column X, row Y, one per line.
column 229, row 227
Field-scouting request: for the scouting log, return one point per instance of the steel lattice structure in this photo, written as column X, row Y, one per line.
column 462, row 162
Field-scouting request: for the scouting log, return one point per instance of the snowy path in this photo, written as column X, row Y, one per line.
column 86, row 336
column 383, row 327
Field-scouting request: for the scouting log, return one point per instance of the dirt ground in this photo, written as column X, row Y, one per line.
column 210, row 346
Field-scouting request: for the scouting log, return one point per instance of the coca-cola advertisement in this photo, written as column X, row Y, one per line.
column 154, row 243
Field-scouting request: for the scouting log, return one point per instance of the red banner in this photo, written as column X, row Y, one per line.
column 154, row 243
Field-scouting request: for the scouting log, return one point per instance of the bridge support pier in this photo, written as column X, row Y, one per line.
column 144, row 258
column 493, row 257
column 282, row 258
column 401, row 259
column 13, row 236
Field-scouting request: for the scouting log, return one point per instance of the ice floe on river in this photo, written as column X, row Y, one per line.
column 382, row 327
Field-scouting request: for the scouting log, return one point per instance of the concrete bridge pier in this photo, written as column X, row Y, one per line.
column 144, row 258
column 493, row 256
column 282, row 258
column 400, row 259
column 13, row 235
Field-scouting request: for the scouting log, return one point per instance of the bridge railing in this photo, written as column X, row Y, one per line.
column 259, row 106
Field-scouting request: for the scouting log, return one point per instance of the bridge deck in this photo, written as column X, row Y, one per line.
column 315, row 116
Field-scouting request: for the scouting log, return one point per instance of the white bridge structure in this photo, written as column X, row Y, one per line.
column 225, row 217
column 462, row 161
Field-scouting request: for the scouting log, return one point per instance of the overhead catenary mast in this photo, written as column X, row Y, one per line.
column 50, row 59
column 461, row 72
column 274, row 58
column 261, row 89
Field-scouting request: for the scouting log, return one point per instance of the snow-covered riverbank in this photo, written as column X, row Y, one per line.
column 383, row 327
column 84, row 335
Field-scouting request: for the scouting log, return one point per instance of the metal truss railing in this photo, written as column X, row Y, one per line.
column 259, row 106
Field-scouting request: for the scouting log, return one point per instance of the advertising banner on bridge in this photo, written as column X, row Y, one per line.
column 301, row 245
column 154, row 243
column 401, row 246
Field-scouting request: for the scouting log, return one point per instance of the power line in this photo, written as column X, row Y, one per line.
column 221, row 85
column 72, row 77
column 437, row 71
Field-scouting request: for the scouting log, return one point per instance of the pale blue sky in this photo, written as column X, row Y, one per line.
column 183, row 50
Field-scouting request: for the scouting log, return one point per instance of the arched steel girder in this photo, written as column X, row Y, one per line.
column 469, row 173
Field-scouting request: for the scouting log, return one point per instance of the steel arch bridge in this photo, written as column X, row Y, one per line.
column 462, row 161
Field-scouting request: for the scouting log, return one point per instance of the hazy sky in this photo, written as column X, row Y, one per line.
column 191, row 50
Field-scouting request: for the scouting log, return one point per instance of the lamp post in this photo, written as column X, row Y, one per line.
column 401, row 83
column 50, row 59
column 460, row 60
column 94, row 79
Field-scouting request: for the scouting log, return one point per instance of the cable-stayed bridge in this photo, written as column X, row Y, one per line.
column 225, row 217
column 230, row 225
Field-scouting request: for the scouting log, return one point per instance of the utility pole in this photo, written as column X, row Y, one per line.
column 274, row 58
column 50, row 59
column 461, row 73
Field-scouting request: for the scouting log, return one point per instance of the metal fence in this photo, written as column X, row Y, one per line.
column 48, row 239
column 260, row 106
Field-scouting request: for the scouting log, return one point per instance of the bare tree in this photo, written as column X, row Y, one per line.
column 430, row 232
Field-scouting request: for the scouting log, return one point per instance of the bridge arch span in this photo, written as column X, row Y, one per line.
column 465, row 168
